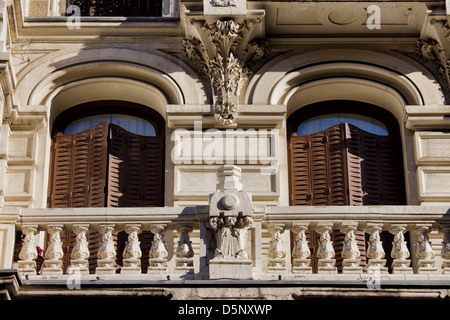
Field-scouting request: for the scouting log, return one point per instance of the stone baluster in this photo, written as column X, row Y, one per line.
column 106, row 255
column 301, row 252
column 445, row 251
column 132, row 253
column 53, row 255
column 400, row 252
column 276, row 254
column 28, row 253
column 80, row 252
column 375, row 251
column 350, row 251
column 325, row 252
column 424, row 252
column 158, row 252
column 184, row 253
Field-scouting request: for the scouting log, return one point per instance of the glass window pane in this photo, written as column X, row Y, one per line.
column 132, row 124
column 320, row 123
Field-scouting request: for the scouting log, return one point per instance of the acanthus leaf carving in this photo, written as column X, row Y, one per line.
column 224, row 57
column 432, row 55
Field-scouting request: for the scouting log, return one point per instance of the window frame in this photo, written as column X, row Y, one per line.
column 95, row 108
column 105, row 107
column 343, row 106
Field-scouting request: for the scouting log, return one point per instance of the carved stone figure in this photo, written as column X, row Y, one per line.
column 301, row 248
column 158, row 249
column 223, row 3
column 350, row 249
column 375, row 246
column 28, row 251
column 399, row 245
column 325, row 250
column 132, row 249
column 230, row 217
column 54, row 248
column 184, row 248
column 230, row 214
column 276, row 246
column 423, row 248
column 80, row 250
column 106, row 249
column 445, row 251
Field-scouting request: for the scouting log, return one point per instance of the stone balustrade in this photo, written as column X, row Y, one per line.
column 419, row 221
column 270, row 225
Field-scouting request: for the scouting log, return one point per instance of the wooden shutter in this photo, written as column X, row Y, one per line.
column 79, row 169
column 345, row 165
column 317, row 168
column 135, row 170
column 135, row 177
column 79, row 178
column 374, row 169
column 81, row 163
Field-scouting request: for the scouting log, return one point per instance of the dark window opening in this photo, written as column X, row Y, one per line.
column 95, row 162
column 116, row 8
column 345, row 153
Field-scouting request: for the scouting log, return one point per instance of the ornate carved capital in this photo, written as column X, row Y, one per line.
column 432, row 55
column 226, row 58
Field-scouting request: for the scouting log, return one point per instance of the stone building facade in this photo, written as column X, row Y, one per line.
column 259, row 163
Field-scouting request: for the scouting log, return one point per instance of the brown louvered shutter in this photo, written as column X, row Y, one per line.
column 135, row 170
column 79, row 178
column 375, row 169
column 317, row 168
column 79, row 174
column 135, row 177
column 320, row 175
column 375, row 173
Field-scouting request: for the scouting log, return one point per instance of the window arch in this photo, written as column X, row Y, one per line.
column 96, row 162
column 345, row 153
column 105, row 164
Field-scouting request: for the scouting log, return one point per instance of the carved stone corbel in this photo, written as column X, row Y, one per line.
column 432, row 55
column 226, row 58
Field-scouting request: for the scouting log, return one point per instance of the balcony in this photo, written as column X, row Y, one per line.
column 201, row 248
column 101, row 10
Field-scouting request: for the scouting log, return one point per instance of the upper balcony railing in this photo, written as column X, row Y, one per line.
column 57, row 10
column 230, row 238
column 410, row 255
column 114, row 8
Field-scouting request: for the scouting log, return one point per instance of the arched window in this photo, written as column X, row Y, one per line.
column 107, row 154
column 345, row 153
